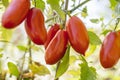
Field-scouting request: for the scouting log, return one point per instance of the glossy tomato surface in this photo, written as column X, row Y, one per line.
column 56, row 48
column 110, row 50
column 78, row 35
column 15, row 13
column 51, row 33
column 35, row 26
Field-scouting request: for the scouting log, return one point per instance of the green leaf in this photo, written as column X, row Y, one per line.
column 5, row 2
column 0, row 66
column 64, row 64
column 1, row 49
column 118, row 0
column 113, row 4
column 22, row 47
column 87, row 73
column 94, row 39
column 13, row 69
column 5, row 34
column 72, row 59
column 55, row 6
column 94, row 20
column 39, row 4
column 91, row 50
column 39, row 69
column 1, row 55
column 106, row 31
column 84, row 12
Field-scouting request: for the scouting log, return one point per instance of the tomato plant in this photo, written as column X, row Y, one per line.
column 50, row 32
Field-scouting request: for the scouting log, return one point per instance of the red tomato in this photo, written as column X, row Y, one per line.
column 35, row 26
column 77, row 34
column 15, row 13
column 110, row 50
column 56, row 48
column 51, row 33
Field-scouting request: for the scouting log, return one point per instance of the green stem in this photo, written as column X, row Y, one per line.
column 35, row 2
column 29, row 44
column 57, row 69
column 66, row 7
column 20, row 78
column 118, row 20
column 30, row 53
column 72, row 10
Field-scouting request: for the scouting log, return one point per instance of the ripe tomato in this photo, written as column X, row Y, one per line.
column 51, row 33
column 35, row 26
column 110, row 50
column 15, row 13
column 56, row 48
column 77, row 34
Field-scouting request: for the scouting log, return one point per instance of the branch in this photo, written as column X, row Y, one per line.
column 72, row 10
column 30, row 53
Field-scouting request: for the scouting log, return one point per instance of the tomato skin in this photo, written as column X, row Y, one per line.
column 15, row 13
column 35, row 26
column 56, row 48
column 77, row 34
column 110, row 50
column 51, row 33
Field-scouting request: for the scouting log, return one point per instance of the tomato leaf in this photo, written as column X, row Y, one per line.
column 87, row 73
column 91, row 50
column 1, row 55
column 94, row 20
column 5, row 34
column 64, row 64
column 21, row 47
column 39, row 69
column 84, row 12
column 55, row 6
column 39, row 4
column 106, row 31
column 5, row 3
column 113, row 4
column 72, row 59
column 13, row 69
column 94, row 39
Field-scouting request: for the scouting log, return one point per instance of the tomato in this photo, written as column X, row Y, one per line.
column 51, row 33
column 110, row 50
column 77, row 34
column 57, row 47
column 35, row 26
column 15, row 13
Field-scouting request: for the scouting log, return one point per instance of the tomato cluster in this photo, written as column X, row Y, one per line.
column 56, row 39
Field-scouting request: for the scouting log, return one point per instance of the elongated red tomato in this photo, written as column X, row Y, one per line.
column 56, row 48
column 51, row 33
column 15, row 13
column 110, row 50
column 35, row 26
column 77, row 34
